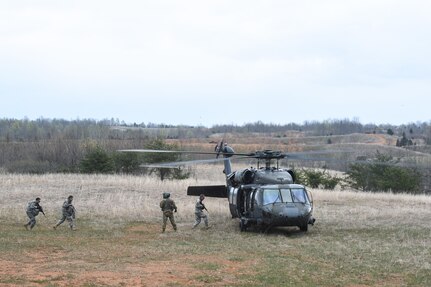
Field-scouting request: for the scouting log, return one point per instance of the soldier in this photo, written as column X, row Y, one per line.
column 32, row 210
column 168, row 207
column 68, row 212
column 199, row 212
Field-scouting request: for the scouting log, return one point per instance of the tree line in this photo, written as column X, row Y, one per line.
column 55, row 145
column 14, row 130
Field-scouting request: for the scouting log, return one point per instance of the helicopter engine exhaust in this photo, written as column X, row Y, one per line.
column 292, row 174
column 245, row 176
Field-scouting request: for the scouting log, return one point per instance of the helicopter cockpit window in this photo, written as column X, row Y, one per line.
column 271, row 196
column 286, row 195
column 299, row 195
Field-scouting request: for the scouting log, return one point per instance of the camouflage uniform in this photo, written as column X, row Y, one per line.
column 168, row 207
column 68, row 212
column 199, row 212
column 32, row 211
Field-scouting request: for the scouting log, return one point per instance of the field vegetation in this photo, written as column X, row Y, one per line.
column 360, row 239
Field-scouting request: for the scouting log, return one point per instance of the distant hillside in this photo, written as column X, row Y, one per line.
column 48, row 145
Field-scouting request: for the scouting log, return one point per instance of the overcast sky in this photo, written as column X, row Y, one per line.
column 216, row 62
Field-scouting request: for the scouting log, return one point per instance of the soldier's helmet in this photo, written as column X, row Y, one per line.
column 166, row 194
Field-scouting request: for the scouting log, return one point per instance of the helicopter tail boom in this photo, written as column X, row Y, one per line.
column 208, row 191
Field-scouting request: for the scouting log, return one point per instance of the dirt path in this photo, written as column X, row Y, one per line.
column 56, row 267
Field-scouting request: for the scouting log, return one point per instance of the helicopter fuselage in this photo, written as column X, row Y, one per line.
column 271, row 205
column 265, row 196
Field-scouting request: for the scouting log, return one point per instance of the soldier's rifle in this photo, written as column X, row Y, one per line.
column 41, row 209
column 204, row 207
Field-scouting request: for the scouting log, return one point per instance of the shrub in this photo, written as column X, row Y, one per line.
column 383, row 174
column 159, row 158
column 126, row 162
column 317, row 178
column 97, row 160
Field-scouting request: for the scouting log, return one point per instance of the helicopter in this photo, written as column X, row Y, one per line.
column 263, row 197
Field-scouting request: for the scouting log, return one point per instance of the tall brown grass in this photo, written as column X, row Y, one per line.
column 100, row 198
column 360, row 239
column 103, row 197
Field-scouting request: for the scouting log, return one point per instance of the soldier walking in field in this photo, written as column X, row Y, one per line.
column 68, row 212
column 199, row 212
column 32, row 210
column 168, row 207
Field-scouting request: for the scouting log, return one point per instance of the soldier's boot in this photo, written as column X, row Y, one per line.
column 26, row 226
column 54, row 227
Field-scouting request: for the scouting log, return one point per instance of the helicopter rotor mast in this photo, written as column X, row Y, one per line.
column 268, row 156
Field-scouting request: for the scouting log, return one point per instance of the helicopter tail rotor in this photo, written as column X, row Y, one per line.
column 219, row 147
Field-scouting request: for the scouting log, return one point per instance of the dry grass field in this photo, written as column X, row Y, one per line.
column 360, row 239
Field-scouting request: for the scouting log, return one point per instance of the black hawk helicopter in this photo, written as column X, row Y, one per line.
column 264, row 197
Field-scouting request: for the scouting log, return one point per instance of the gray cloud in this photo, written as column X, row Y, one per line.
column 194, row 62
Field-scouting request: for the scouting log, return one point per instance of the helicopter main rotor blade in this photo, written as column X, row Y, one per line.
column 175, row 164
column 266, row 154
column 165, row 151
column 158, row 166
column 306, row 154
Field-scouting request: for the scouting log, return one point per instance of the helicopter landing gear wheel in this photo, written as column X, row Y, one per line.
column 265, row 229
column 243, row 225
column 304, row 227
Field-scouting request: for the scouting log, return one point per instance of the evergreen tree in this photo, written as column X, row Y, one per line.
column 404, row 141
column 126, row 162
column 158, row 158
column 97, row 160
column 382, row 174
column 316, row 178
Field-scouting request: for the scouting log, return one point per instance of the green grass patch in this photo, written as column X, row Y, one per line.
column 208, row 278
column 208, row 266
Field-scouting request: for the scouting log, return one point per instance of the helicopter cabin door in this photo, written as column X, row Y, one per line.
column 244, row 202
column 240, row 201
column 233, row 198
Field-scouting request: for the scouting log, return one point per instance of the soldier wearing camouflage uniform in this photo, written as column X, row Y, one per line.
column 168, row 208
column 199, row 212
column 68, row 212
column 32, row 210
